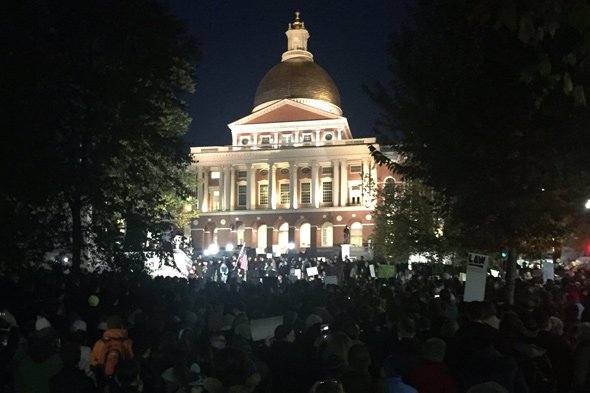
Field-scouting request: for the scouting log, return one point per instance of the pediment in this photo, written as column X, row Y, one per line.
column 286, row 111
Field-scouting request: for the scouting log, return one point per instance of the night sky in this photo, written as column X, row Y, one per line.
column 241, row 40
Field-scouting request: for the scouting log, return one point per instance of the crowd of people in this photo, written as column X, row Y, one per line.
column 115, row 332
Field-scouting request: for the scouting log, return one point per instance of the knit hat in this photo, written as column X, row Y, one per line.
column 8, row 318
column 313, row 319
column 78, row 326
column 41, row 323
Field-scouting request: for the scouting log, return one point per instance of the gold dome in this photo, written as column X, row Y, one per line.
column 297, row 78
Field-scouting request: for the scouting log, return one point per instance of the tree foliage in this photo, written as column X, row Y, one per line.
column 408, row 221
column 487, row 105
column 92, row 102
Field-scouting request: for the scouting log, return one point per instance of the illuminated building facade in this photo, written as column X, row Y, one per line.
column 294, row 177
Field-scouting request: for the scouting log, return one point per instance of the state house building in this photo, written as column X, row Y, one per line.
column 294, row 176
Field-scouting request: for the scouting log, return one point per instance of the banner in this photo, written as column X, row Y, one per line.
column 264, row 328
column 548, row 271
column 475, row 282
column 312, row 271
column 386, row 271
column 331, row 280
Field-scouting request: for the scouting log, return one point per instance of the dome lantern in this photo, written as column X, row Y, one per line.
column 298, row 77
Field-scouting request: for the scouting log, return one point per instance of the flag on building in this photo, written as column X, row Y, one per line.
column 243, row 259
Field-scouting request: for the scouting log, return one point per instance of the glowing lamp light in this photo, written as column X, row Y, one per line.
column 587, row 205
column 291, row 246
column 65, row 259
column 213, row 249
column 229, row 247
column 206, row 253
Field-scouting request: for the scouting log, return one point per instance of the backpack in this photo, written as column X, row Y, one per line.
column 114, row 350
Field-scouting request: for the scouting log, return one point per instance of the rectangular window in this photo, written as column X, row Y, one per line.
column 355, row 169
column 242, row 174
column 327, row 170
column 305, row 193
column 242, row 192
column 215, row 175
column 286, row 139
column 284, row 193
column 265, row 140
column 263, row 194
column 306, row 137
column 327, row 192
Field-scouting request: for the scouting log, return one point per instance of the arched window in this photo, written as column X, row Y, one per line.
column 284, row 238
column 241, row 234
column 356, row 234
column 305, row 235
column 262, row 236
column 327, row 234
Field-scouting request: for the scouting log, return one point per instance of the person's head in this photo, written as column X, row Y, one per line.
column 406, row 328
column 285, row 333
column 359, row 357
column 70, row 354
column 217, row 340
column 114, row 322
column 232, row 367
column 434, row 350
column 327, row 387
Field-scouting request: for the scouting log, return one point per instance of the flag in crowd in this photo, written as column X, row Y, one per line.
column 243, row 259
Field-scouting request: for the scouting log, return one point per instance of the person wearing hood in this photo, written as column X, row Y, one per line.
column 114, row 341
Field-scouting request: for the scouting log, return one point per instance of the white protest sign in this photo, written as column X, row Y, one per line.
column 372, row 271
column 475, row 283
column 331, row 280
column 548, row 271
column 312, row 271
column 297, row 273
column 261, row 329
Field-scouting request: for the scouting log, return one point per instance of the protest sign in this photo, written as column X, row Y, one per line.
column 386, row 271
column 372, row 271
column 475, row 282
column 312, row 271
column 548, row 271
column 331, row 280
column 264, row 328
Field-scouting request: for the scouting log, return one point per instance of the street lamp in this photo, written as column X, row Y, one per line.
column 587, row 205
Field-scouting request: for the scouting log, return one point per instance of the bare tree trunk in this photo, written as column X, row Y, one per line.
column 510, row 275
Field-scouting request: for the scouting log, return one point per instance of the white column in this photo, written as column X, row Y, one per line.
column 232, row 188
column 317, row 135
column 205, row 204
column 314, row 184
column 226, row 188
column 343, row 183
column 251, row 202
column 272, row 200
column 276, row 137
column 221, row 183
column 200, row 186
column 335, row 183
column 293, row 185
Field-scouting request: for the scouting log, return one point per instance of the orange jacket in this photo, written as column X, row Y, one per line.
column 97, row 355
